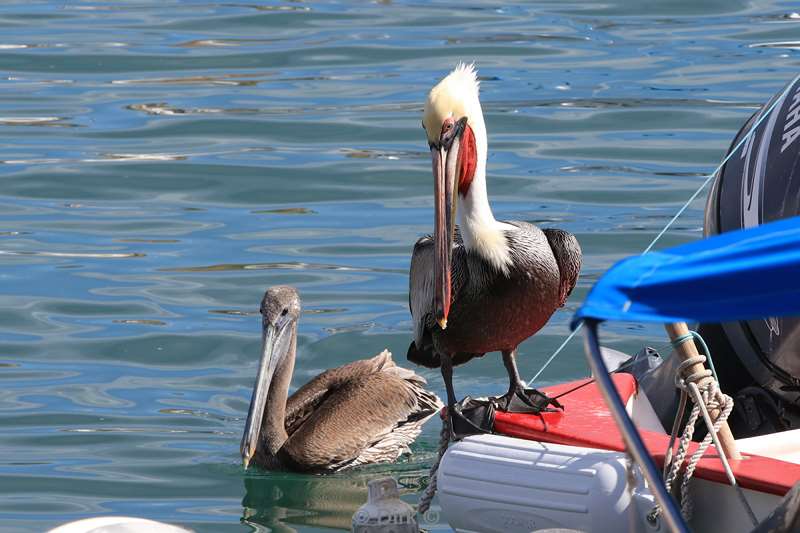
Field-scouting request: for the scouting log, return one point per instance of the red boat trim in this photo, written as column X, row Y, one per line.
column 587, row 422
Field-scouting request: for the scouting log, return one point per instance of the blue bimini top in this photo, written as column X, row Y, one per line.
column 739, row 275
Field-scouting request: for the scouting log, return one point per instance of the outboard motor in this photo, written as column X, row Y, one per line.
column 760, row 183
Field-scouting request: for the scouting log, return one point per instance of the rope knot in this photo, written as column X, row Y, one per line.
column 706, row 396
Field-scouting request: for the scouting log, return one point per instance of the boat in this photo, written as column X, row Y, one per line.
column 620, row 455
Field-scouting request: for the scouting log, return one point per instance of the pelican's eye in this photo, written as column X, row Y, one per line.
column 285, row 311
column 447, row 125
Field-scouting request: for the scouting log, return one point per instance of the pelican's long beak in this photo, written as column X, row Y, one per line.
column 273, row 349
column 445, row 167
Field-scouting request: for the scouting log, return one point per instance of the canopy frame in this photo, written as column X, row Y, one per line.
column 633, row 441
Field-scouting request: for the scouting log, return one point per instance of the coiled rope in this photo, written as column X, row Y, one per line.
column 705, row 396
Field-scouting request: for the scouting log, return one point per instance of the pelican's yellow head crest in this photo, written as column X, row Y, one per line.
column 455, row 96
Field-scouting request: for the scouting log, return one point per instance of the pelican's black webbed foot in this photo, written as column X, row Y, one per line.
column 470, row 417
column 523, row 400
column 519, row 398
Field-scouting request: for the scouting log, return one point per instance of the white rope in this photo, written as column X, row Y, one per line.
column 705, row 397
column 430, row 491
column 680, row 211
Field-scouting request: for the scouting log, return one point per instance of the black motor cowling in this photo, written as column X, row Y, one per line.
column 761, row 183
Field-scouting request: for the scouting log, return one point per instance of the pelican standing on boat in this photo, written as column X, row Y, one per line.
column 368, row 411
column 484, row 285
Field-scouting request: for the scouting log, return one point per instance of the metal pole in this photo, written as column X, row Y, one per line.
column 633, row 442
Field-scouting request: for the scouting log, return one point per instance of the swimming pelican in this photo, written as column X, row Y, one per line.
column 483, row 285
column 368, row 411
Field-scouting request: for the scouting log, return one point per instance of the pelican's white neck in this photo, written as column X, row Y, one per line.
column 479, row 229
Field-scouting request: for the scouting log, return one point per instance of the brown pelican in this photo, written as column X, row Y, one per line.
column 484, row 285
column 367, row 411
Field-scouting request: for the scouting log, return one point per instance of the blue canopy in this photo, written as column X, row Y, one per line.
column 739, row 275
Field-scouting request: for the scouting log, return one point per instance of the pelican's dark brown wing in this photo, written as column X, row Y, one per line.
column 368, row 418
column 420, row 291
column 307, row 398
column 420, row 300
column 568, row 255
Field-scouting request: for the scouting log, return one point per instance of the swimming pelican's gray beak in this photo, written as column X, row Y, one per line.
column 444, row 156
column 274, row 347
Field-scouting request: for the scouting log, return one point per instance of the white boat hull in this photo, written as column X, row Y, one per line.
column 494, row 483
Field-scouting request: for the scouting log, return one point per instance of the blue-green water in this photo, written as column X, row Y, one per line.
column 161, row 163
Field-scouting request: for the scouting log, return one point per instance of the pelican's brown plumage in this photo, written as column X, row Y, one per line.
column 368, row 411
column 484, row 285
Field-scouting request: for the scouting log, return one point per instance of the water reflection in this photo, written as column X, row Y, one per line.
column 281, row 501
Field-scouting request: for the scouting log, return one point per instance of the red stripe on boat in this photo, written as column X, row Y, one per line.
column 587, row 422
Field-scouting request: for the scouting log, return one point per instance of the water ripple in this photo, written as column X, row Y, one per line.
column 162, row 163
column 95, row 255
